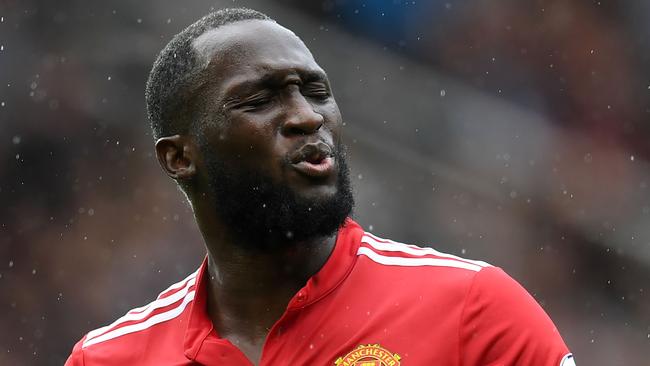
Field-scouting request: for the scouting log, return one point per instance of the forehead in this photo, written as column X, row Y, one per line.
column 250, row 49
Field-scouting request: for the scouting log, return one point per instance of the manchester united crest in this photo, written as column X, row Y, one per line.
column 369, row 355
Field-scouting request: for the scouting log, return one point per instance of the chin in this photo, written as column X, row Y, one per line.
column 265, row 213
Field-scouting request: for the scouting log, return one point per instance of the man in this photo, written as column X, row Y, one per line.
column 245, row 122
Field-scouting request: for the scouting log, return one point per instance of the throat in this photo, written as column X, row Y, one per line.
column 249, row 292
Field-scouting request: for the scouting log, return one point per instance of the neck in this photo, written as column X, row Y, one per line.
column 249, row 288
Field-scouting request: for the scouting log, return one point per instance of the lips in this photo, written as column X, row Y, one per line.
column 314, row 160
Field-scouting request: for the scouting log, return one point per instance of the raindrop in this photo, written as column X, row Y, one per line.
column 139, row 20
column 631, row 157
column 11, row 264
column 34, row 271
column 16, row 140
column 443, row 92
column 108, row 78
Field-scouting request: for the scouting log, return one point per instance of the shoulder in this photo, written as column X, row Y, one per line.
column 391, row 253
column 416, row 271
column 502, row 322
column 499, row 320
column 116, row 342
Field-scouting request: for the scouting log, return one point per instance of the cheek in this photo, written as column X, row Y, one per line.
column 333, row 117
column 246, row 138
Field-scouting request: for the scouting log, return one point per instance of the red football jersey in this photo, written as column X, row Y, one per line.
column 374, row 302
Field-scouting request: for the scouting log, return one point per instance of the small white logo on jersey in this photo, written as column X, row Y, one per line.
column 568, row 360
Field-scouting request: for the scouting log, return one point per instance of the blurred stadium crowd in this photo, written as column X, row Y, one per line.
column 511, row 131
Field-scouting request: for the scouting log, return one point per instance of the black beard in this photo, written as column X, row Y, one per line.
column 264, row 215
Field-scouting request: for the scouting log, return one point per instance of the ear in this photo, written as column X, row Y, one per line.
column 177, row 155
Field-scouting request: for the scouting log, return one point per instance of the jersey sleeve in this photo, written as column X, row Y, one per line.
column 76, row 358
column 502, row 325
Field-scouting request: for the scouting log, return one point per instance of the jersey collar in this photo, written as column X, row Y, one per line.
column 335, row 270
column 200, row 329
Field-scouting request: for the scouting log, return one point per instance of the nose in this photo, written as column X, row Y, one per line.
column 300, row 117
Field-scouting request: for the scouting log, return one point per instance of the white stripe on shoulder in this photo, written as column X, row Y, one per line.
column 177, row 285
column 158, row 318
column 415, row 262
column 143, row 311
column 388, row 245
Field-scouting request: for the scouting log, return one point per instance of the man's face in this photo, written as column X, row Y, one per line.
column 270, row 139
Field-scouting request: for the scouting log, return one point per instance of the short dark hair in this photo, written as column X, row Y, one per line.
column 174, row 74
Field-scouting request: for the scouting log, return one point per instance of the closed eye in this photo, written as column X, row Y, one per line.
column 255, row 102
column 317, row 90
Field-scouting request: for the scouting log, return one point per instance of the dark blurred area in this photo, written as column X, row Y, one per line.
column 511, row 131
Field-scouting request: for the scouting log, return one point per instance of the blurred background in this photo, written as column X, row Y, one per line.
column 511, row 131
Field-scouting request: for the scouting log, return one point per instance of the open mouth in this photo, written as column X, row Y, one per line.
column 314, row 160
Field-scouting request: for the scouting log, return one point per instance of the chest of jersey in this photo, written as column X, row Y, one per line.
column 391, row 320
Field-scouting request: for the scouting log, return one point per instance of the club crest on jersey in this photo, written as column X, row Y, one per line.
column 369, row 355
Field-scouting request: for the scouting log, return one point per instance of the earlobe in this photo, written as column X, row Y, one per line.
column 176, row 155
